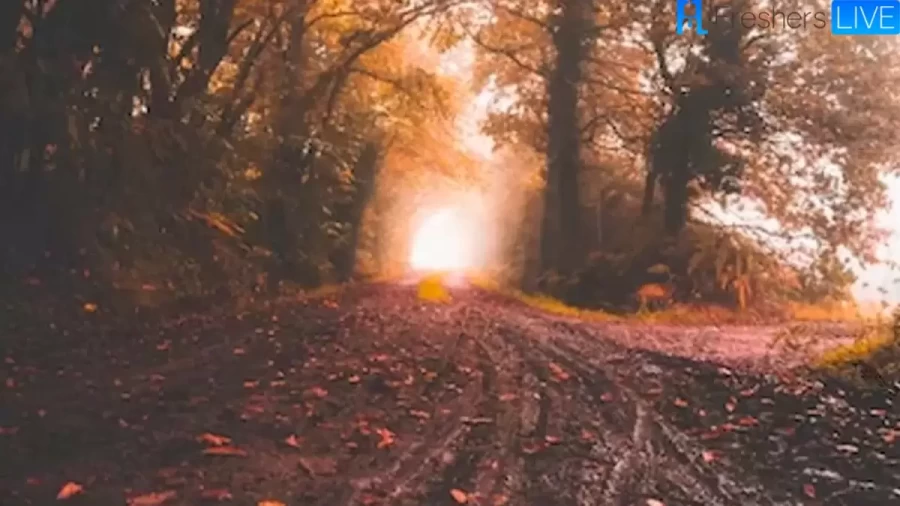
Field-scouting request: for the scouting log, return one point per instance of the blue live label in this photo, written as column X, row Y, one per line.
column 865, row 17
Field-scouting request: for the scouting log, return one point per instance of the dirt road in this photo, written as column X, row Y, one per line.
column 375, row 397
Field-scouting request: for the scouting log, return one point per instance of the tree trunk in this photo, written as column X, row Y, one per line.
column 10, row 15
column 676, row 207
column 649, row 193
column 365, row 174
column 560, row 245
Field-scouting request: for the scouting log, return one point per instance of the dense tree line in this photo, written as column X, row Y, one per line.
column 199, row 147
column 798, row 125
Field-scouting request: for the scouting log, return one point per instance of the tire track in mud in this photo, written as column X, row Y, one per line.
column 653, row 458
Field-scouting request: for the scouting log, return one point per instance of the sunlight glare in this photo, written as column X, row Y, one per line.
column 444, row 241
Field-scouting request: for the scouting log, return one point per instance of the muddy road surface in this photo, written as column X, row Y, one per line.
column 372, row 396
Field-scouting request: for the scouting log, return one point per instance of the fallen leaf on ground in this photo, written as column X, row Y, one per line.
column 153, row 499
column 552, row 440
column 558, row 371
column 681, row 403
column 809, row 490
column 500, row 500
column 216, row 494
column 710, row 455
column 319, row 466
column 69, row 489
column 317, row 392
column 530, row 448
column 786, row 431
column 606, row 397
column 459, row 496
column 225, row 451
column 387, row 438
column 213, row 439
column 353, row 379
column 293, row 440
column 419, row 414
column 270, row 503
column 655, row 502
column 508, row 397
column 90, row 307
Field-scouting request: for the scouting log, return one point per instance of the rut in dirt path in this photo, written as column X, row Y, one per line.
column 372, row 396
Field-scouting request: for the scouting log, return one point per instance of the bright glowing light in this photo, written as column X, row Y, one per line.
column 444, row 241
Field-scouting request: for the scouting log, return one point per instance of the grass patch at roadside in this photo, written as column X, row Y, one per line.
column 874, row 356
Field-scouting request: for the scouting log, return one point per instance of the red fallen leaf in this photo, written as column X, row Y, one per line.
column 213, row 439
column 68, row 490
column 558, row 371
column 730, row 407
column 530, row 448
column 368, row 500
column 32, row 481
column 293, row 440
column 216, row 494
column 353, row 379
column 587, row 435
column 710, row 455
column 809, row 490
column 251, row 384
column 748, row 421
column 552, row 440
column 459, row 496
column 227, row 451
column 11, row 431
column 655, row 502
column 681, row 403
column 750, row 391
column 387, row 438
column 606, row 397
column 319, row 392
column 239, row 351
column 786, row 431
column 508, row 397
column 154, row 499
